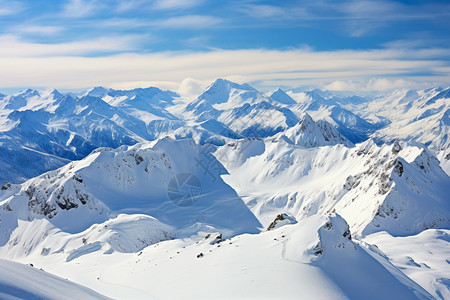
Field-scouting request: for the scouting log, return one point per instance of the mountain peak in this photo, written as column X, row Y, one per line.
column 306, row 119
column 280, row 96
column 231, row 84
column 309, row 133
column 28, row 93
column 54, row 92
column 97, row 91
column 221, row 89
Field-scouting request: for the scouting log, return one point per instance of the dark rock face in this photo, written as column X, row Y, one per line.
column 5, row 186
column 46, row 203
column 398, row 168
column 279, row 218
column 396, row 147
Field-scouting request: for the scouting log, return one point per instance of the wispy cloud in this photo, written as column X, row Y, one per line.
column 362, row 17
column 129, row 5
column 110, row 43
column 179, row 22
column 176, row 4
column 79, row 8
column 37, row 29
column 356, row 18
column 189, row 21
column 374, row 84
column 12, row 46
column 8, row 7
column 263, row 11
column 265, row 67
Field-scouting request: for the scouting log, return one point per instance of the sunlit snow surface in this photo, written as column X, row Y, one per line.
column 235, row 194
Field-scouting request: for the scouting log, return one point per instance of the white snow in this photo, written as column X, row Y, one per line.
column 19, row 281
column 232, row 194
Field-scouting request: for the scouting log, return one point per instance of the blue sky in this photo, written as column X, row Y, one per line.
column 184, row 44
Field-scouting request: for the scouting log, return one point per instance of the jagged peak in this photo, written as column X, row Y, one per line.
column 28, row 92
column 97, row 91
column 309, row 133
column 306, row 118
column 54, row 92
column 280, row 96
column 231, row 84
column 221, row 89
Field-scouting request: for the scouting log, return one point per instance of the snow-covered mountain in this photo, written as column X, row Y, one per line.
column 308, row 133
column 42, row 130
column 18, row 281
column 419, row 116
column 242, row 108
column 280, row 96
column 263, row 195
column 397, row 188
column 121, row 202
column 325, row 106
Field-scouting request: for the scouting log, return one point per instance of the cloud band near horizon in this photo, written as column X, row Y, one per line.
column 365, row 70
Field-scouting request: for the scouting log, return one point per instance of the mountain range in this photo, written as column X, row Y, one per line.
column 236, row 193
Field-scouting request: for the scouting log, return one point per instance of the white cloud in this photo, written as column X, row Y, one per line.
column 264, row 11
column 179, row 22
column 14, row 47
column 40, row 30
column 79, row 8
column 340, row 70
column 378, row 85
column 340, row 85
column 128, row 85
column 128, row 5
column 189, row 21
column 355, row 18
column 190, row 87
column 10, row 7
column 176, row 4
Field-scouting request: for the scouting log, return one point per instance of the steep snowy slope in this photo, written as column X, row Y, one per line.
column 258, row 120
column 258, row 195
column 125, row 222
column 398, row 188
column 308, row 134
column 241, row 108
column 223, row 94
column 307, row 258
column 147, row 104
column 42, row 132
column 423, row 257
column 353, row 127
column 19, row 281
column 280, row 96
column 419, row 116
column 177, row 191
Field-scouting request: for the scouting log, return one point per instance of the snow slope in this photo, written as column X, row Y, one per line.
column 419, row 116
column 43, row 130
column 305, row 259
column 322, row 105
column 397, row 188
column 309, row 134
column 423, row 257
column 231, row 194
column 146, row 209
column 144, row 179
column 19, row 281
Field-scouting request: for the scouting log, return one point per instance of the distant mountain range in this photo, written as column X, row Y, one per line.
column 236, row 193
column 43, row 130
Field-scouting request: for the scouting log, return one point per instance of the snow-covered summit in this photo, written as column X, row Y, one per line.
column 308, row 133
column 280, row 96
